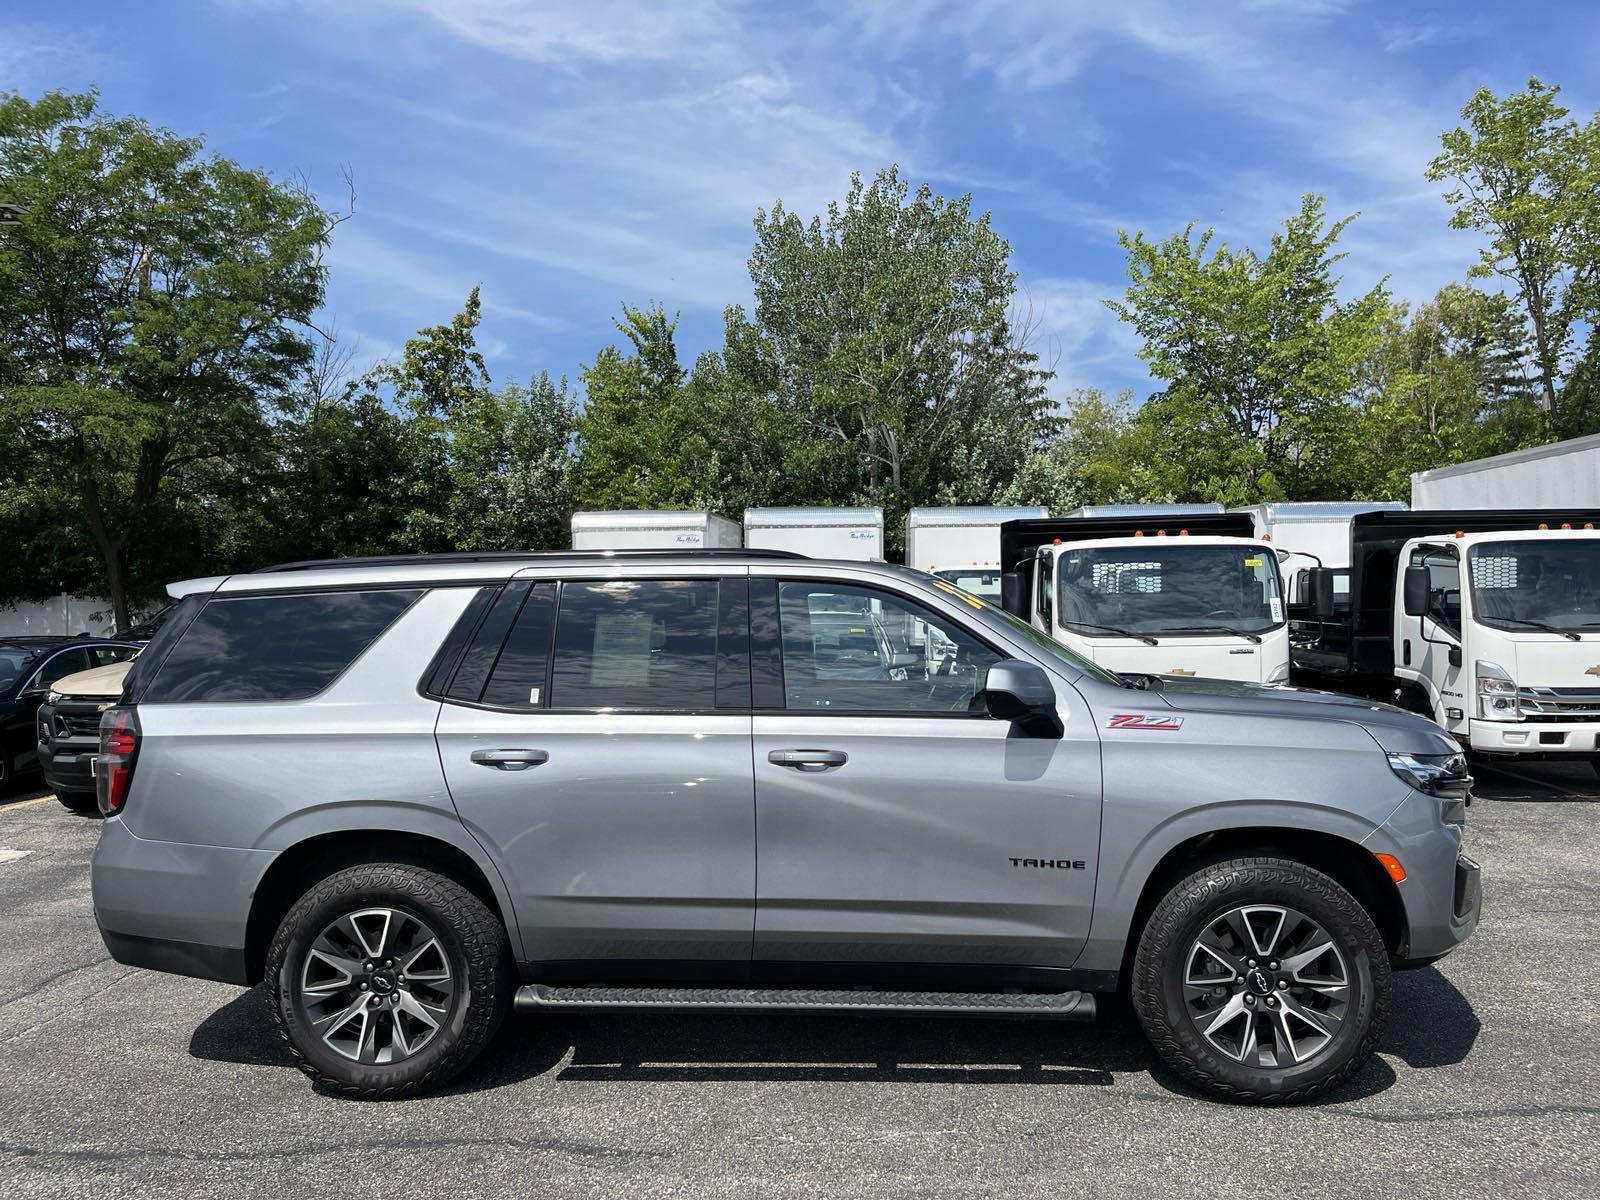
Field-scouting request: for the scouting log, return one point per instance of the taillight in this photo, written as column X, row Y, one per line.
column 119, row 747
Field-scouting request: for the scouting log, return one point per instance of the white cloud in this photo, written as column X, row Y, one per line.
column 1076, row 334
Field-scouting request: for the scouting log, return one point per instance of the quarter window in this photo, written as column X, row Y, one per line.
column 518, row 679
column 860, row 650
column 638, row 644
column 273, row 648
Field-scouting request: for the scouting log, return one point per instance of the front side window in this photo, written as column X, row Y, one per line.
column 1168, row 586
column 273, row 648
column 861, row 650
column 104, row 656
column 636, row 644
column 1444, row 586
column 980, row 581
column 62, row 665
column 1532, row 584
column 1046, row 569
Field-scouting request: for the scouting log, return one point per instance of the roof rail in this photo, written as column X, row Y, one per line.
column 482, row 556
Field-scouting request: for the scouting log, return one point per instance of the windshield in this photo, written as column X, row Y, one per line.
column 1043, row 642
column 1168, row 586
column 980, row 581
column 1552, row 582
column 14, row 663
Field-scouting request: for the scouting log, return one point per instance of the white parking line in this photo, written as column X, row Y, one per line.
column 7, row 854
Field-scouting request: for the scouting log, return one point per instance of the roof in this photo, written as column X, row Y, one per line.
column 811, row 517
column 1531, row 454
column 1144, row 510
column 516, row 557
column 1279, row 511
column 32, row 641
column 645, row 518
column 972, row 514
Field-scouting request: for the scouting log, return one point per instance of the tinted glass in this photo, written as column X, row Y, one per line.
column 273, row 647
column 473, row 675
column 68, row 663
column 15, row 661
column 856, row 649
column 647, row 643
column 518, row 678
column 1444, row 586
column 104, row 656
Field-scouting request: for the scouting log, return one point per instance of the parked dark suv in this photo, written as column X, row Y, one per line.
column 408, row 793
column 28, row 666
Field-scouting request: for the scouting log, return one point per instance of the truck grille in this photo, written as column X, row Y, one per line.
column 1559, row 704
column 78, row 720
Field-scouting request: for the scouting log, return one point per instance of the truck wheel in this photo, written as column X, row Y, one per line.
column 78, row 802
column 1261, row 980
column 388, row 980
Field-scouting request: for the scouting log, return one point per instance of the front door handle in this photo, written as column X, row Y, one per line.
column 510, row 760
column 808, row 760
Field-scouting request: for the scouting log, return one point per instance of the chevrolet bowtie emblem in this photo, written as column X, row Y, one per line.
column 1595, row 670
column 1181, row 671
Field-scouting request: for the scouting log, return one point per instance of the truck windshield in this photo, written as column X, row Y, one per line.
column 1169, row 586
column 995, row 616
column 980, row 581
column 1524, row 585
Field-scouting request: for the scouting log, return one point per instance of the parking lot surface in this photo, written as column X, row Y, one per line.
column 119, row 1082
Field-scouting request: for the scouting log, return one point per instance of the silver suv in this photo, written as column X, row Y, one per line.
column 409, row 794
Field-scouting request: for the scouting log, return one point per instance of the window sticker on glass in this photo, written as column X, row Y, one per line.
column 621, row 650
column 1277, row 609
column 1252, row 562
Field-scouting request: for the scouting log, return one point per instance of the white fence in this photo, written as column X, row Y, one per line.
column 59, row 615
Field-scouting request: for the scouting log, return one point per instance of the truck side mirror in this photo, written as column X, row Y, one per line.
column 1414, row 591
column 1021, row 692
column 1320, row 580
column 1014, row 594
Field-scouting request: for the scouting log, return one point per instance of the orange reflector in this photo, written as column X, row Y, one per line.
column 1056, row 542
column 1542, row 525
column 1183, row 533
column 1392, row 865
column 1566, row 524
column 1460, row 534
column 1265, row 537
column 1161, row 533
column 1588, row 524
column 1138, row 533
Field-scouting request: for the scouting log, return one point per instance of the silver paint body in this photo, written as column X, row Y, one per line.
column 673, row 837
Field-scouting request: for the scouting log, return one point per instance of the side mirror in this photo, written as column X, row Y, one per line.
column 1414, row 591
column 1021, row 692
column 1320, row 580
column 1014, row 593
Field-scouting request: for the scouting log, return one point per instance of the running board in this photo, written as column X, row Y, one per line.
column 1064, row 1006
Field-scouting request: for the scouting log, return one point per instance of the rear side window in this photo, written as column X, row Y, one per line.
column 646, row 643
column 518, row 679
column 268, row 648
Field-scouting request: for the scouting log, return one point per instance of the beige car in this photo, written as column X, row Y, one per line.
column 69, row 731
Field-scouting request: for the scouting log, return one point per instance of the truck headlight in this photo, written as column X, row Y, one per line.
column 1497, row 692
column 1442, row 775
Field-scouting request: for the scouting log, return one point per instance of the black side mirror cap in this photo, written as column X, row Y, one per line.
column 1414, row 591
column 1014, row 594
column 1322, row 593
column 1021, row 693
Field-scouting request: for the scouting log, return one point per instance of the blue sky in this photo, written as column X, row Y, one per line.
column 570, row 156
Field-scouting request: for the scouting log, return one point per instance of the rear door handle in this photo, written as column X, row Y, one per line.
column 808, row 760
column 510, row 760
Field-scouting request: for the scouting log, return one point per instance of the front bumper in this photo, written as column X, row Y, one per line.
column 67, row 768
column 1534, row 737
column 172, row 906
column 1443, row 889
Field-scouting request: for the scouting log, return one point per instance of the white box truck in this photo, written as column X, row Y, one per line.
column 962, row 543
column 1176, row 592
column 653, row 529
column 1312, row 533
column 1560, row 475
column 1488, row 621
column 850, row 533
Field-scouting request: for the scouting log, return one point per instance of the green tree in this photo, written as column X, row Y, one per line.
column 1089, row 460
column 148, row 301
column 880, row 339
column 1257, row 352
column 633, row 430
column 1527, row 176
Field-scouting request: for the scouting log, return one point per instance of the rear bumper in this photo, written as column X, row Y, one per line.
column 1534, row 738
column 171, row 906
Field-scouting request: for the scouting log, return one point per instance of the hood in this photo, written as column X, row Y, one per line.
column 1395, row 729
column 1552, row 662
column 96, row 681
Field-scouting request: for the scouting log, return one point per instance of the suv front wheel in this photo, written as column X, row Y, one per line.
column 1261, row 980
column 388, row 980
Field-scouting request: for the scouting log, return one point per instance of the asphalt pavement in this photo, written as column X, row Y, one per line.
column 120, row 1082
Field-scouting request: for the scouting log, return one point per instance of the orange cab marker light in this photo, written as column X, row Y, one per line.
column 1459, row 533
column 1183, row 533
column 1566, row 524
column 1543, row 525
column 1588, row 524
column 1138, row 533
column 1392, row 865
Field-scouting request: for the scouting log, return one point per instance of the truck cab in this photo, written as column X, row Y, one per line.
column 1201, row 598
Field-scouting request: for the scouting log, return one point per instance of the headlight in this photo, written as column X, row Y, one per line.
column 1442, row 775
column 1280, row 674
column 1497, row 692
column 52, row 697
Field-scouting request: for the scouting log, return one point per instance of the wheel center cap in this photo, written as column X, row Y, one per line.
column 383, row 983
column 1256, row 979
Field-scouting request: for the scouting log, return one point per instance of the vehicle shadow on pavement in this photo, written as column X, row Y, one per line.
column 710, row 1047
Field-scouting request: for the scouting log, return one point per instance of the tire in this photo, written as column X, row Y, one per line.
column 78, row 802
column 1180, row 994
column 462, row 983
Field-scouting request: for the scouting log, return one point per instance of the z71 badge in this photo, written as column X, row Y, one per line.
column 1143, row 721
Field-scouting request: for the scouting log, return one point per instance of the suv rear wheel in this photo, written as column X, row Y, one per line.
column 388, row 980
column 1261, row 980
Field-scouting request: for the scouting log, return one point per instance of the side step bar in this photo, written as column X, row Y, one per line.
column 1065, row 1006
